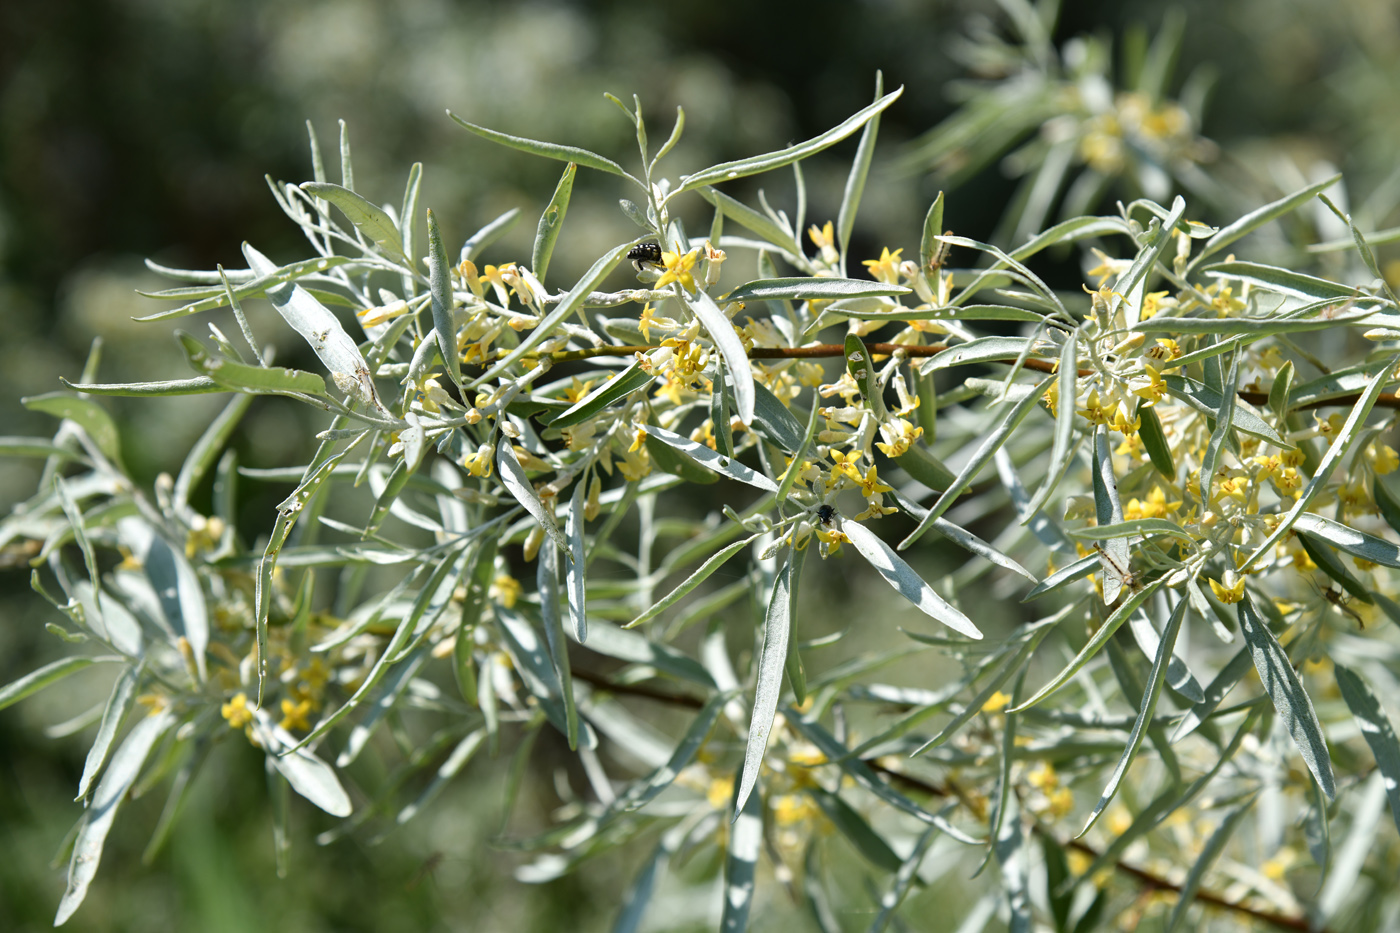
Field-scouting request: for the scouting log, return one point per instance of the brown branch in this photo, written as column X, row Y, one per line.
column 825, row 350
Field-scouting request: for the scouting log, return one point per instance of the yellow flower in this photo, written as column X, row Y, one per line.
column 996, row 702
column 236, row 711
column 846, row 464
column 886, row 268
column 638, row 439
column 1107, row 268
column 1150, row 387
column 505, row 590
column 1386, row 459
column 789, row 809
column 1152, row 303
column 899, row 435
column 871, row 485
column 1043, row 777
column 294, row 715
column 578, row 390
column 1051, row 398
column 679, row 269
column 720, row 792
column 1228, row 594
column 1224, row 302
column 822, row 236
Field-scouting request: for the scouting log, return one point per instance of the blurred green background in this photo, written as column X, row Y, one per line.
column 143, row 128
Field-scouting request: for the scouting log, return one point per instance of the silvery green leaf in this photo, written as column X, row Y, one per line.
column 964, row 538
column 1179, row 677
column 514, row 478
column 984, row 453
column 1376, row 729
column 725, row 466
column 1286, row 691
column 37, row 447
column 903, row 880
column 206, row 450
column 855, row 181
column 1215, row 692
column 730, row 347
column 37, row 680
column 200, row 385
column 1282, row 281
column 385, row 698
column 768, row 161
column 1341, row 444
column 551, row 221
column 608, row 639
column 1342, row 537
column 175, row 583
column 1114, row 554
column 531, row 662
column 981, row 350
column 322, row 330
column 440, row 287
column 309, row 776
column 77, row 524
column 1344, row 872
column 862, row 837
column 740, row 864
column 1063, row 577
column 252, row 287
column 547, row 585
column 118, row 705
column 489, row 234
column 645, row 790
column 1221, row 436
column 905, row 580
column 1064, row 447
column 444, row 773
column 865, row 777
column 933, row 228
column 1208, row 402
column 700, row 575
column 1150, row 697
column 368, row 218
column 775, row 422
column 548, row 150
column 97, row 822
column 1147, row 257
column 1213, row 847
column 561, row 313
column 772, row 660
column 86, row 414
column 1010, row 850
column 1260, row 216
column 574, row 574
column 1330, row 564
column 755, row 221
column 1239, row 327
column 231, row 374
column 618, row 385
column 1096, row 641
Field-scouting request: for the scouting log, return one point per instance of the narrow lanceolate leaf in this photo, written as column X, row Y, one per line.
column 755, row 221
column 515, row 480
column 1215, row 692
column 979, row 459
column 810, row 289
column 1332, row 565
column 574, row 581
column 230, row 374
column 855, row 181
column 903, row 880
column 1010, row 850
column 323, row 331
column 199, row 385
column 547, row 584
column 771, row 662
column 206, row 450
column 728, row 171
column 309, row 776
column 1214, row 846
column 740, row 865
column 691, row 582
column 118, row 705
column 929, row 246
column 97, row 822
column 1145, row 712
column 86, row 414
column 480, row 572
column 548, row 150
column 1147, row 258
column 440, row 286
column 1375, row 727
column 905, row 580
column 1095, row 642
column 1257, row 218
column 1063, row 448
column 861, row 368
column 38, row 679
column 1221, row 435
column 619, row 385
column 177, row 586
column 731, row 348
column 1344, row 538
column 725, row 466
column 371, row 220
column 551, row 222
column 1286, row 691
column 1154, row 440
column 1341, row 444
column 1208, row 402
column 489, row 234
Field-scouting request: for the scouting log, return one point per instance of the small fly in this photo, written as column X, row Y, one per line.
column 645, row 254
column 826, row 515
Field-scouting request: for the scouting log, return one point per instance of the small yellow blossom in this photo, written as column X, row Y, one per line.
column 1150, row 386
column 679, row 269
column 294, row 715
column 1386, row 459
column 899, row 434
column 505, row 590
column 720, row 792
column 576, row 392
column 790, row 809
column 870, row 485
column 996, row 702
column 1228, row 594
column 1153, row 303
column 846, row 464
column 886, row 268
column 236, row 711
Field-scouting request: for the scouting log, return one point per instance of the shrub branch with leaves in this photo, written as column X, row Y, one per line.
column 1147, row 452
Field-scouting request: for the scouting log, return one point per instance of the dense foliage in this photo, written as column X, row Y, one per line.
column 1178, row 467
